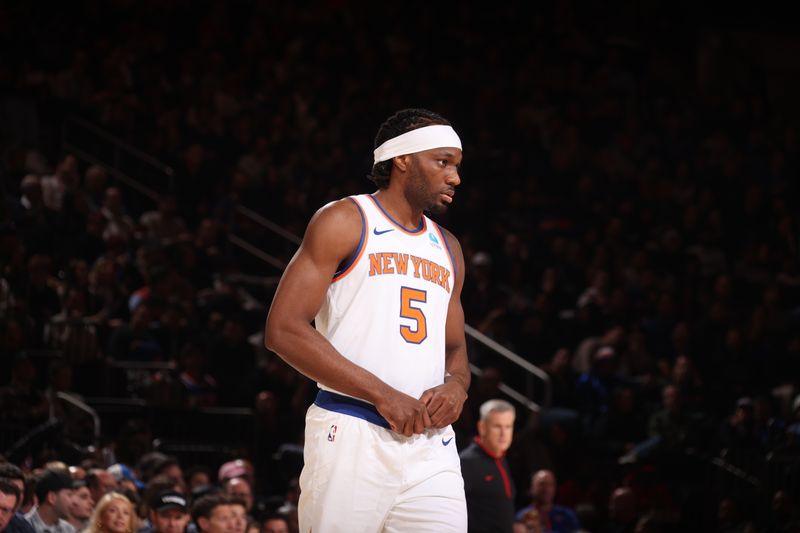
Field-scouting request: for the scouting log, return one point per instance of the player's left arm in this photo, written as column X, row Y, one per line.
column 445, row 401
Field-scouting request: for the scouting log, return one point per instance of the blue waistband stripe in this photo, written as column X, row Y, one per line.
column 350, row 406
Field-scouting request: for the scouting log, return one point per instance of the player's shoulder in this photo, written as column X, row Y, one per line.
column 339, row 214
column 334, row 229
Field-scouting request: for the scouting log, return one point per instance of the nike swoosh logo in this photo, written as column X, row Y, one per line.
column 446, row 442
column 376, row 232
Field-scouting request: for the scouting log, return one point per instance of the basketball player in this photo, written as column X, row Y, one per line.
column 382, row 283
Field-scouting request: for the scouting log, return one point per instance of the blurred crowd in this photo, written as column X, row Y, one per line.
column 153, row 496
column 628, row 213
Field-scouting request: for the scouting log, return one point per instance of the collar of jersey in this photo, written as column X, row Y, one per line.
column 420, row 230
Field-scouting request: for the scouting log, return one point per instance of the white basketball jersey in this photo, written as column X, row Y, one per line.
column 386, row 310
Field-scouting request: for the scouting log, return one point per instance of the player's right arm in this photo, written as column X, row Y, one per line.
column 331, row 237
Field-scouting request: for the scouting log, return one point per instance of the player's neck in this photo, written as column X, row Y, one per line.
column 398, row 207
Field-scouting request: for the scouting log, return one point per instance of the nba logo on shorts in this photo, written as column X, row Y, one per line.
column 332, row 433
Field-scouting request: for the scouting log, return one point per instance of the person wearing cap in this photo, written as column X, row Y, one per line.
column 169, row 513
column 125, row 477
column 54, row 492
column 236, row 468
column 382, row 283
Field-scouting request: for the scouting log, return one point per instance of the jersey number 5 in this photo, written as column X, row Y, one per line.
column 420, row 332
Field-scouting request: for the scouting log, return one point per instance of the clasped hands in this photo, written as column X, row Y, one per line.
column 436, row 408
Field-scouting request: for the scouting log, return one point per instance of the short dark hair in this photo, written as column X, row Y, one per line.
column 205, row 505
column 7, row 487
column 11, row 471
column 401, row 122
column 275, row 516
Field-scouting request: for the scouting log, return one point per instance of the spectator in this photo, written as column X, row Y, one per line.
column 275, row 523
column 127, row 482
column 95, row 181
column 670, row 430
column 219, row 513
column 11, row 474
column 119, row 225
column 114, row 514
column 235, row 468
column 136, row 341
column 10, row 498
column 552, row 517
column 168, row 513
column 80, row 508
column 157, row 485
column 36, row 221
column 100, row 482
column 239, row 488
column 163, row 225
column 738, row 441
column 65, row 179
column 488, row 486
column 54, row 490
column 197, row 388
column 622, row 515
column 197, row 476
column 594, row 391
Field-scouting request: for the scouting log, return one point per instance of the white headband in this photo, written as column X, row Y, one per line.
column 418, row 140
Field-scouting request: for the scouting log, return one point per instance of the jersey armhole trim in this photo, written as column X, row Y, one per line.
column 449, row 251
column 362, row 245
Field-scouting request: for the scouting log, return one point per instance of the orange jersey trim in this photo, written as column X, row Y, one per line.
column 362, row 244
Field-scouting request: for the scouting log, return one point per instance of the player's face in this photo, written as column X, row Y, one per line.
column 496, row 431
column 433, row 179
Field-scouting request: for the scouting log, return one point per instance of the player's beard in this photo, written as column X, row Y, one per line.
column 420, row 194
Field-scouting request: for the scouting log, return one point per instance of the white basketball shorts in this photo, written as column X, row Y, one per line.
column 360, row 476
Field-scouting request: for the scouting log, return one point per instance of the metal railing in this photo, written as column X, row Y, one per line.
column 120, row 149
column 79, row 404
column 131, row 166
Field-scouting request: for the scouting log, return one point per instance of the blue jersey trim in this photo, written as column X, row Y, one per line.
column 419, row 229
column 449, row 252
column 351, row 407
column 357, row 253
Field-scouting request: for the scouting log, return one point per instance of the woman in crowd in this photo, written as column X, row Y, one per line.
column 113, row 514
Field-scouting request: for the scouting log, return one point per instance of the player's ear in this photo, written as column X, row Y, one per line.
column 402, row 162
